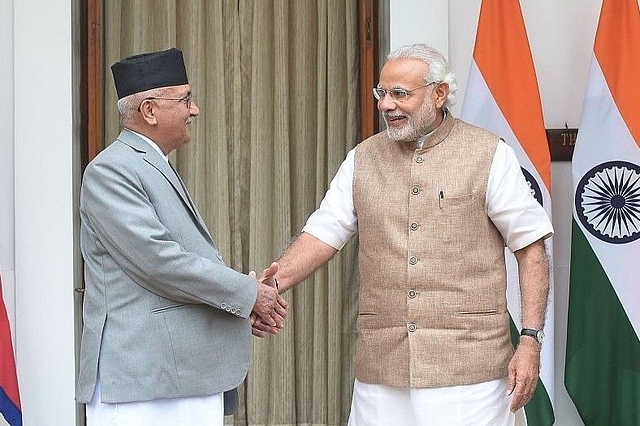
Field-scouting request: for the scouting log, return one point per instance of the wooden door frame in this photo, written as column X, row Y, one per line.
column 92, row 48
column 368, row 47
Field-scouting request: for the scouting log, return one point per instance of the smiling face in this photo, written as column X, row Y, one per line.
column 420, row 113
column 175, row 117
column 164, row 115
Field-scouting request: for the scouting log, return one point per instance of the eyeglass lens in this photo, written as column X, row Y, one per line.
column 397, row 94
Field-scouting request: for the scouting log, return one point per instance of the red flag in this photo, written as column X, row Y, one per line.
column 9, row 394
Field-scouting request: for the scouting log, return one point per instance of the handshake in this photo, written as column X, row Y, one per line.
column 270, row 309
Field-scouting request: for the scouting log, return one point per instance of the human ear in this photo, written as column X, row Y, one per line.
column 148, row 112
column 441, row 91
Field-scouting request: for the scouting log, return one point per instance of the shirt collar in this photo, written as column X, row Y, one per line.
column 152, row 143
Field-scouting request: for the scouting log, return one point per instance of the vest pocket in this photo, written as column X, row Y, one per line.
column 371, row 320
column 480, row 313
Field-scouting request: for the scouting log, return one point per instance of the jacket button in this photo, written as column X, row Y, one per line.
column 411, row 327
column 413, row 260
column 414, row 226
column 412, row 294
column 415, row 190
column 419, row 159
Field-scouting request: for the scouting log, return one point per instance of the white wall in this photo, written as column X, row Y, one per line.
column 7, row 267
column 36, row 186
column 561, row 36
column 7, row 264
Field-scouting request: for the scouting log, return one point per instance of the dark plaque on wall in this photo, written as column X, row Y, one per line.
column 561, row 143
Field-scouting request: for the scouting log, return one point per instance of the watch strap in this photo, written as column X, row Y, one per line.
column 532, row 332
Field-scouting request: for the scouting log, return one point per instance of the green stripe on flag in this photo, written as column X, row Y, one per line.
column 539, row 411
column 602, row 371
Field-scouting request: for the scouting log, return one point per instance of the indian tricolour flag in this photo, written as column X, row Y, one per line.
column 502, row 95
column 602, row 370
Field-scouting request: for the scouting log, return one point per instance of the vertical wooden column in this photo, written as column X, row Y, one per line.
column 94, row 115
column 368, row 45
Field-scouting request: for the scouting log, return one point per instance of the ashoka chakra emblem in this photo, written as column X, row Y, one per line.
column 608, row 202
column 534, row 188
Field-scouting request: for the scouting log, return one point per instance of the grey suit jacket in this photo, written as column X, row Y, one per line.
column 163, row 316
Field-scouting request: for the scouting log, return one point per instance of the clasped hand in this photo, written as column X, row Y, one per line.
column 270, row 309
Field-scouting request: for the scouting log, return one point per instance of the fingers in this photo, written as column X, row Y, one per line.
column 270, row 309
column 258, row 333
column 268, row 275
column 524, row 369
column 265, row 303
column 280, row 312
column 256, row 328
column 282, row 307
column 522, row 394
column 260, row 329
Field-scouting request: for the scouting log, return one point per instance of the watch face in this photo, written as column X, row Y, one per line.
column 540, row 336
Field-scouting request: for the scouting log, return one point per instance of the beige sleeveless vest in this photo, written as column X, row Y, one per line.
column 433, row 308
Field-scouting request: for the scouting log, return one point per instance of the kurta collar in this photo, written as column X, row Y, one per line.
column 435, row 137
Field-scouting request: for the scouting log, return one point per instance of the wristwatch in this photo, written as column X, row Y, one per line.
column 536, row 334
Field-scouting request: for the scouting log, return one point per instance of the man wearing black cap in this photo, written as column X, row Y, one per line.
column 166, row 330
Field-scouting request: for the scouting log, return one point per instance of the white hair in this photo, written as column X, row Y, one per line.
column 438, row 66
column 129, row 105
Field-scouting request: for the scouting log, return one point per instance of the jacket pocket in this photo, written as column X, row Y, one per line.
column 162, row 309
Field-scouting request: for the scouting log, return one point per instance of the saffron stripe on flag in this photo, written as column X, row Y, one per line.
column 503, row 55
column 616, row 46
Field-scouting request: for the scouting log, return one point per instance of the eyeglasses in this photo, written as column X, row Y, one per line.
column 188, row 100
column 398, row 94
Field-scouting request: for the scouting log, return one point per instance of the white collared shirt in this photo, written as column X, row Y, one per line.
column 153, row 145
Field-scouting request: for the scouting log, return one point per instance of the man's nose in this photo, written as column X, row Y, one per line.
column 387, row 103
column 194, row 110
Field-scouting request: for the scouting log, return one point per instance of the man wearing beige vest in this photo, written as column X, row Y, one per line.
column 434, row 201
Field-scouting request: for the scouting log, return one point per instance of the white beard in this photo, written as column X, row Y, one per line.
column 417, row 124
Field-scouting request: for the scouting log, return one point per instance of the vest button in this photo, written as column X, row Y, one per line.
column 415, row 190
column 411, row 327
column 412, row 294
column 413, row 260
column 414, row 226
column 419, row 159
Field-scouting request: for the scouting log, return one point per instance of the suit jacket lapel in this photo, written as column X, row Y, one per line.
column 154, row 159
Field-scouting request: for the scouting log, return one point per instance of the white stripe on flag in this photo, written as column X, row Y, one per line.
column 604, row 137
column 480, row 109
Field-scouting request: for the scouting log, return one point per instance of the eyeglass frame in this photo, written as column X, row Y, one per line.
column 188, row 100
column 398, row 90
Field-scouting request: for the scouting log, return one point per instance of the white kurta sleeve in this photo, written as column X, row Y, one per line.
column 335, row 221
column 514, row 211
